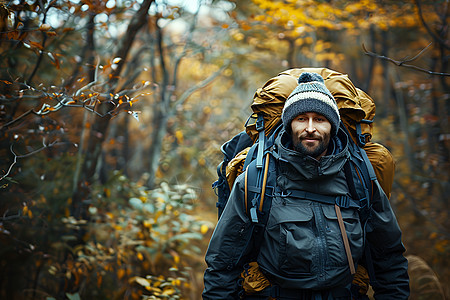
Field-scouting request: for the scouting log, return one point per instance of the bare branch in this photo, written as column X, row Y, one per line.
column 89, row 103
column 138, row 21
column 44, row 39
column 402, row 63
column 430, row 32
column 90, row 84
column 200, row 85
column 17, row 119
column 418, row 54
column 186, row 44
column 16, row 157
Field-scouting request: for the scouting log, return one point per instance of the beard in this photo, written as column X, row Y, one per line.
column 313, row 151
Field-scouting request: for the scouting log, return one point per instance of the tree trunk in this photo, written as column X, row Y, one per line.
column 100, row 124
column 371, row 60
column 386, row 80
column 403, row 118
column 159, row 131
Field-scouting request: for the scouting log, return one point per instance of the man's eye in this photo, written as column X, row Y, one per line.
column 319, row 119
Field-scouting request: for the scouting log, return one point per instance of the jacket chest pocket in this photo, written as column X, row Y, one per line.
column 307, row 240
column 334, row 238
column 290, row 237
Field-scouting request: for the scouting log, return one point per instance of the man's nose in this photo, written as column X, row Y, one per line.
column 311, row 126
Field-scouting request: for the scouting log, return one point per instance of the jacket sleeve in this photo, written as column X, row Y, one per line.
column 386, row 250
column 228, row 247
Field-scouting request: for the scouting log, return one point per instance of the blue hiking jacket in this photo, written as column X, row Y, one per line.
column 302, row 246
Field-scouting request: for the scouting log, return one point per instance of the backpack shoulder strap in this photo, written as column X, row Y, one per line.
column 360, row 164
column 259, row 188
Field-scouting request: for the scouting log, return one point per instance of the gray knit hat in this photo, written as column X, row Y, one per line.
column 311, row 95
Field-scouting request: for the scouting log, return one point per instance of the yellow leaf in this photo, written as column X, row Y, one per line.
column 179, row 136
column 147, row 224
column 141, row 281
column 176, row 282
column 168, row 292
column 140, row 256
column 204, row 229
column 157, row 215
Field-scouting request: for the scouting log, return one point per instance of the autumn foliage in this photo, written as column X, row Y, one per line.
column 112, row 114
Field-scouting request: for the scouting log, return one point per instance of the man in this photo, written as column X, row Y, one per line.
column 304, row 253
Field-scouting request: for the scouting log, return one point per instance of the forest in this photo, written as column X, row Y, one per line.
column 113, row 113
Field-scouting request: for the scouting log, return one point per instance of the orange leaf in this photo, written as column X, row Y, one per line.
column 246, row 27
column 140, row 256
column 99, row 279
column 120, row 273
column 45, row 27
column 13, row 35
column 37, row 45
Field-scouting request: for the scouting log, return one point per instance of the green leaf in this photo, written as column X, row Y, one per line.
column 136, row 203
column 73, row 296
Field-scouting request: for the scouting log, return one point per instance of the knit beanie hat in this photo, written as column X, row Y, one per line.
column 311, row 95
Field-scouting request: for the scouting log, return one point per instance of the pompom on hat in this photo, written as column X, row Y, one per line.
column 311, row 95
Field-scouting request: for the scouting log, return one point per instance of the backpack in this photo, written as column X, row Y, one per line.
column 357, row 111
column 250, row 150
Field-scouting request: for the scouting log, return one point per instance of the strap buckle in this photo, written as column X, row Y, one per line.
column 260, row 123
column 343, row 201
column 283, row 194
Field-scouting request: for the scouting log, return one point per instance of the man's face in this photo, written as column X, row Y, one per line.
column 311, row 134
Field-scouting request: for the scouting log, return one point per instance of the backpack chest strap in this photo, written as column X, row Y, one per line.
column 341, row 201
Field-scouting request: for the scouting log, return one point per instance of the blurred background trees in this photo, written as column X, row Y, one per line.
column 113, row 113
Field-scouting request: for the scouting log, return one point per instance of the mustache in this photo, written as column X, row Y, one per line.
column 310, row 136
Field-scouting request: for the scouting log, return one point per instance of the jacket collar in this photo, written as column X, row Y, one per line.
column 306, row 167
